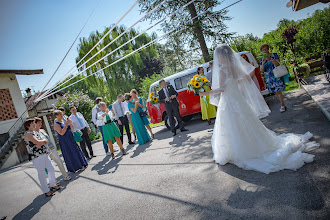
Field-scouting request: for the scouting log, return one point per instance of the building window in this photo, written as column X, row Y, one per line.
column 7, row 107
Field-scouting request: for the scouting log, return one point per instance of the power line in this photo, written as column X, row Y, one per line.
column 47, row 92
column 142, row 47
column 70, row 48
column 57, row 86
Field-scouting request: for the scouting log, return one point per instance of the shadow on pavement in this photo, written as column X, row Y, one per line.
column 32, row 209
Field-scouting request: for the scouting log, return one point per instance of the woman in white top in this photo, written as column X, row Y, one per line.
column 111, row 133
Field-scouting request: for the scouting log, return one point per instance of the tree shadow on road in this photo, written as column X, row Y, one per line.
column 141, row 148
column 284, row 189
column 107, row 164
column 32, row 209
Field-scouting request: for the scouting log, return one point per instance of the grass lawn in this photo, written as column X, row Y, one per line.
column 292, row 85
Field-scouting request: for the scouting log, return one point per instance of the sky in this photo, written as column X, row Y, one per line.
column 36, row 34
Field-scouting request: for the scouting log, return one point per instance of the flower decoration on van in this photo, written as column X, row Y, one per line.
column 197, row 83
column 153, row 98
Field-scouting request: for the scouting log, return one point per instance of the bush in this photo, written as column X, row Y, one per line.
column 80, row 100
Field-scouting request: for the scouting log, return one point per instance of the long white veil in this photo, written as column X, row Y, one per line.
column 227, row 64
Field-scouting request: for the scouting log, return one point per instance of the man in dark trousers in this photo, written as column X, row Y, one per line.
column 168, row 95
column 121, row 118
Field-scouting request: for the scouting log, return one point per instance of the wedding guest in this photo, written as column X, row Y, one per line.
column 141, row 132
column 72, row 154
column 51, row 147
column 254, row 74
column 95, row 112
column 267, row 65
column 129, row 116
column 63, row 112
column 208, row 111
column 39, row 154
column 167, row 95
column 121, row 118
column 209, row 72
column 81, row 124
column 110, row 129
column 145, row 120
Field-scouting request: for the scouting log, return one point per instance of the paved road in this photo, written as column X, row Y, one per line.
column 175, row 178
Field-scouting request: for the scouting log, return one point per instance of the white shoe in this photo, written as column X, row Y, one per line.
column 282, row 109
column 108, row 154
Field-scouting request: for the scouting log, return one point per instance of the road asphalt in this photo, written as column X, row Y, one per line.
column 176, row 178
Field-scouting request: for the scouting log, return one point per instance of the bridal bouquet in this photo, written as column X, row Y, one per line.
column 197, row 83
column 153, row 98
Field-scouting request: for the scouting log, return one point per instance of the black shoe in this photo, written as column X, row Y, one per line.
column 93, row 156
column 183, row 129
column 131, row 142
column 174, row 133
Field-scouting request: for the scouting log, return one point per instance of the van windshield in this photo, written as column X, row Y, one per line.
column 181, row 83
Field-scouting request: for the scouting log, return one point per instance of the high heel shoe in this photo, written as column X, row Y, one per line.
column 113, row 156
column 123, row 151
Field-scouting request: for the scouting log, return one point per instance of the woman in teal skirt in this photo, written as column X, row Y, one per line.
column 141, row 132
column 145, row 120
column 111, row 133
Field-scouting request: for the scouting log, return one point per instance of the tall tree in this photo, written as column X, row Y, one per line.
column 124, row 75
column 206, row 28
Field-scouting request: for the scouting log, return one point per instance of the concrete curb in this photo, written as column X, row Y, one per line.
column 323, row 109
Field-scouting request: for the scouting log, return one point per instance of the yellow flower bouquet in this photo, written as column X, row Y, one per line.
column 197, row 83
column 153, row 98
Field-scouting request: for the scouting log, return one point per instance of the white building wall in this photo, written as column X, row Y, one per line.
column 6, row 82
column 11, row 161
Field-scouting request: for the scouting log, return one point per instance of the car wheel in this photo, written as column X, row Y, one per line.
column 167, row 122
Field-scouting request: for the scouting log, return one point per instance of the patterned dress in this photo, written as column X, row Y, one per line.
column 273, row 84
column 32, row 149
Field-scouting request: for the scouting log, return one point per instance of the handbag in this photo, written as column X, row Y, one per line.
column 77, row 136
column 142, row 114
column 280, row 71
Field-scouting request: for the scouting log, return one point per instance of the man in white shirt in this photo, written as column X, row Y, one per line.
column 79, row 123
column 121, row 118
column 128, row 113
column 95, row 111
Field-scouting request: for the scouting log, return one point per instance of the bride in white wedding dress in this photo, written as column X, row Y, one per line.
column 239, row 137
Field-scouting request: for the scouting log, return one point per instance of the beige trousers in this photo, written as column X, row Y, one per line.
column 131, row 123
column 56, row 158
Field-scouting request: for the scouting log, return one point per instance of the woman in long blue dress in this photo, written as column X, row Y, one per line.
column 267, row 65
column 145, row 120
column 140, row 130
column 72, row 154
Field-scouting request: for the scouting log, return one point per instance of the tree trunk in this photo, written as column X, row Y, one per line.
column 198, row 32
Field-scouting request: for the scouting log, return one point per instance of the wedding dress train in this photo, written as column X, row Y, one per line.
column 240, row 138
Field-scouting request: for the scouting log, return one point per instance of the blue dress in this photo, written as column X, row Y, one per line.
column 140, row 130
column 273, row 84
column 72, row 154
column 144, row 118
